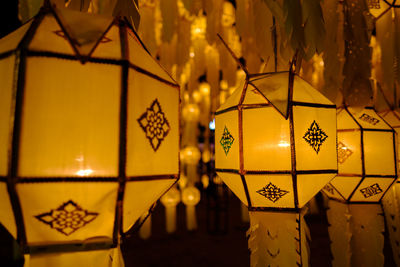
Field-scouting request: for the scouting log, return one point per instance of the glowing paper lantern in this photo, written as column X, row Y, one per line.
column 275, row 149
column 366, row 157
column 191, row 197
column 94, row 131
column 170, row 200
column 379, row 7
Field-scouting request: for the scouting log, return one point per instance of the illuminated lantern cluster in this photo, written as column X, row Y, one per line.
column 366, row 157
column 275, row 142
column 89, row 130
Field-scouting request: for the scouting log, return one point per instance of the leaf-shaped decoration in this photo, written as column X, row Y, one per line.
column 276, row 9
column 241, row 18
column 214, row 13
column 212, row 67
column 263, row 30
column 27, row 9
column 128, row 9
column 357, row 89
column 147, row 27
column 184, row 41
column 314, row 28
column 169, row 14
column 293, row 24
column 333, row 55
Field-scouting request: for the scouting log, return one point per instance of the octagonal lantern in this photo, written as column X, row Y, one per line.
column 367, row 157
column 89, row 130
column 276, row 141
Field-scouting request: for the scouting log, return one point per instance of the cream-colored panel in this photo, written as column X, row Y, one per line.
column 7, row 76
column 153, row 126
column 304, row 92
column 49, row 37
column 11, row 41
column 6, row 211
column 139, row 196
column 70, row 121
column 110, row 45
column 345, row 120
column 139, row 57
column 274, row 191
column 392, row 118
column 345, row 185
column 64, row 212
column 266, row 140
column 331, row 192
column 349, row 152
column 372, row 189
column 253, row 96
column 235, row 184
column 315, row 138
column 379, row 153
column 234, row 98
column 308, row 185
column 227, row 140
column 369, row 119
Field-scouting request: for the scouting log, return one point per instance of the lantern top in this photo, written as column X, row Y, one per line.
column 275, row 88
column 67, row 34
column 367, row 119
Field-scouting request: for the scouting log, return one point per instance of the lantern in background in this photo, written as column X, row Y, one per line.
column 379, row 7
column 275, row 149
column 89, row 133
column 367, row 163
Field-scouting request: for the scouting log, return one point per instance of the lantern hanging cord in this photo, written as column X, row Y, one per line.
column 243, row 67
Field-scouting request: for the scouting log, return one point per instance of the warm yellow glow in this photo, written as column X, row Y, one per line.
column 190, row 196
column 190, row 155
column 196, row 96
column 191, row 112
column 224, row 85
column 171, row 198
column 205, row 180
column 283, row 144
column 204, row 89
column 86, row 172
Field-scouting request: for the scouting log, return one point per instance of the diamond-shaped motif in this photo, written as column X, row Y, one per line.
column 272, row 192
column 154, row 124
column 329, row 189
column 67, row 218
column 369, row 119
column 371, row 190
column 315, row 136
column 343, row 152
column 226, row 140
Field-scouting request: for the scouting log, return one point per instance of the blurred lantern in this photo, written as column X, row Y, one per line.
column 205, row 180
column 275, row 149
column 190, row 155
column 367, row 168
column 190, row 112
column 170, row 200
column 94, row 133
column 145, row 228
column 191, row 197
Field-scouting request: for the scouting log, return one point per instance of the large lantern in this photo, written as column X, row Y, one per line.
column 89, row 131
column 275, row 149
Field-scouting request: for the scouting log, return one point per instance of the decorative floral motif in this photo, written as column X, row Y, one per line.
column 343, row 152
column 371, row 190
column 315, row 136
column 272, row 192
column 154, row 124
column 226, row 140
column 67, row 218
column 369, row 119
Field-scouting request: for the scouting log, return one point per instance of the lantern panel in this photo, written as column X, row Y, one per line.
column 379, row 153
column 7, row 77
column 139, row 57
column 233, row 99
column 85, row 29
column 13, row 39
column 345, row 121
column 272, row 87
column 153, row 126
column 271, row 190
column 369, row 119
column 235, row 183
column 109, row 46
column 266, row 140
column 139, row 196
column 392, row 117
column 377, row 7
column 349, row 152
column 308, row 185
column 50, row 37
column 227, row 140
column 6, row 211
column 70, row 130
column 304, row 92
column 253, row 96
column 372, row 189
column 332, row 192
column 74, row 211
column 315, row 138
column 345, row 185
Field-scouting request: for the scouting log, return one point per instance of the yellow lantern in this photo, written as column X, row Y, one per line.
column 366, row 156
column 89, row 131
column 379, row 7
column 275, row 149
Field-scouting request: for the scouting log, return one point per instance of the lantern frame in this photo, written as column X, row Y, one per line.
column 21, row 53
